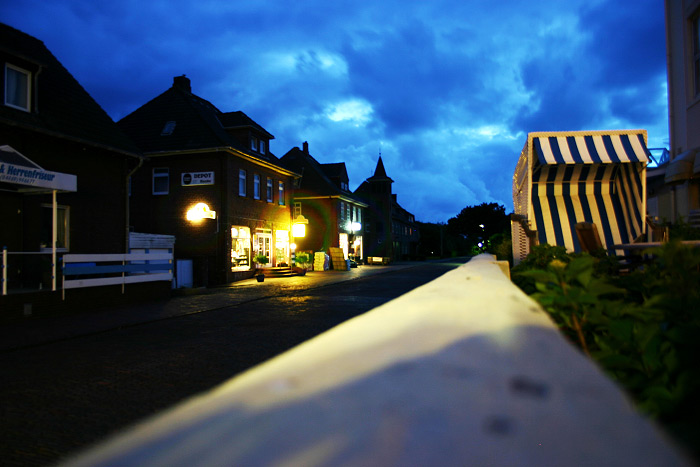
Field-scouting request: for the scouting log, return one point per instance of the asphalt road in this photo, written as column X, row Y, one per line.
column 61, row 396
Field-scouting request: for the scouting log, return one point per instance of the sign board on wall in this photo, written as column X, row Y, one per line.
column 197, row 178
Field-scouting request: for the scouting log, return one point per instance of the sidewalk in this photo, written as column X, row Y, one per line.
column 37, row 331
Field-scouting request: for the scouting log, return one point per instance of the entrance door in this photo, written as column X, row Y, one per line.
column 265, row 243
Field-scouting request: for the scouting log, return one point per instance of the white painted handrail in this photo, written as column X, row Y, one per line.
column 465, row 370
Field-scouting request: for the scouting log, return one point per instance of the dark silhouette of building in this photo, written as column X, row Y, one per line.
column 391, row 232
column 323, row 197
column 58, row 148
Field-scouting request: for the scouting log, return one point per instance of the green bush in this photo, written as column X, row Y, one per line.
column 642, row 327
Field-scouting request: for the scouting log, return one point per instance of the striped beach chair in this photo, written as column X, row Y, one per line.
column 595, row 179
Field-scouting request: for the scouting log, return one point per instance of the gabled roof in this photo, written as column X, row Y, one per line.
column 238, row 119
column 315, row 180
column 194, row 124
column 336, row 170
column 61, row 106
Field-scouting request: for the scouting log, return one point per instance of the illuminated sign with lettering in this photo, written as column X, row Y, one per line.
column 197, row 178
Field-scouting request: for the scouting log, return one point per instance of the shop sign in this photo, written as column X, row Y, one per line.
column 197, row 178
column 39, row 178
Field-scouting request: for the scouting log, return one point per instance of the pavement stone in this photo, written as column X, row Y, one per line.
column 40, row 330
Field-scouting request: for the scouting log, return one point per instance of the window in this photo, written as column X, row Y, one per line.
column 280, row 190
column 62, row 223
column 161, row 181
column 256, row 186
column 262, row 147
column 17, row 87
column 168, row 128
column 241, row 182
column 269, row 190
column 254, row 143
column 297, row 210
column 696, row 52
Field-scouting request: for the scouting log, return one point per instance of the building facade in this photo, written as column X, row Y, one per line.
column 674, row 189
column 332, row 215
column 64, row 167
column 391, row 231
column 211, row 181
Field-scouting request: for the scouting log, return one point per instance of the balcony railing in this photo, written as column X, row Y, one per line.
column 465, row 370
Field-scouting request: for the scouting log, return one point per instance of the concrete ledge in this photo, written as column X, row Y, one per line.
column 465, row 370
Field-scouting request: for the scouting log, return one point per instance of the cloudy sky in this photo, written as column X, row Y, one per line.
column 447, row 90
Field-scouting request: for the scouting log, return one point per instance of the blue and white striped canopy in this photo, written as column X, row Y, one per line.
column 597, row 178
column 591, row 149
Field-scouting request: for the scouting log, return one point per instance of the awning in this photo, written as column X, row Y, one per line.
column 590, row 148
column 681, row 167
column 25, row 175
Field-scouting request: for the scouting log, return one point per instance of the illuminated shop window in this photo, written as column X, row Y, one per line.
column 240, row 248
column 161, row 181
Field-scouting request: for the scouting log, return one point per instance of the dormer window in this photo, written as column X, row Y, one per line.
column 254, row 143
column 168, row 128
column 17, row 87
column 262, row 147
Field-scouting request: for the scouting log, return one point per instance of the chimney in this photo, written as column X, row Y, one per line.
column 306, row 147
column 183, row 83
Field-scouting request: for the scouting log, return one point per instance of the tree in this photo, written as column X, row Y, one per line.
column 479, row 223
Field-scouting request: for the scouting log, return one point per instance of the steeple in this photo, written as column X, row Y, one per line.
column 380, row 172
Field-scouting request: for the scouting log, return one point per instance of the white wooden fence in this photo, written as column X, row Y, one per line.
column 79, row 270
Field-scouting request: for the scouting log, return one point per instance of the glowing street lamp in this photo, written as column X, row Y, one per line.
column 200, row 211
column 299, row 226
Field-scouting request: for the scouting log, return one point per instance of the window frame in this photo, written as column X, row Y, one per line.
column 62, row 227
column 695, row 48
column 160, row 175
column 256, row 186
column 242, row 183
column 269, row 190
column 280, row 193
column 28, row 75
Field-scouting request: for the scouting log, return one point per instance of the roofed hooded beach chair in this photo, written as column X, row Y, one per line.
column 564, row 179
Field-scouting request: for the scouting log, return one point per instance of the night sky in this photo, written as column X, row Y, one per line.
column 447, row 90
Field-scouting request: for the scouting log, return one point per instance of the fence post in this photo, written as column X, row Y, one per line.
column 4, row 270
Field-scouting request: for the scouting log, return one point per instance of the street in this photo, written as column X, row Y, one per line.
column 60, row 396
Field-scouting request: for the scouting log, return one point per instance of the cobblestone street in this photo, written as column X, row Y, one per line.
column 65, row 385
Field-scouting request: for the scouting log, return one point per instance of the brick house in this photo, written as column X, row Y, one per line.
column 221, row 163
column 391, row 231
column 323, row 197
column 59, row 153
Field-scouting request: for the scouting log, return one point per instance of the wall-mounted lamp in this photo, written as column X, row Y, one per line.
column 299, row 226
column 200, row 211
column 354, row 226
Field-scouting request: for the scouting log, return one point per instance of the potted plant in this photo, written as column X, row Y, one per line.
column 260, row 260
column 302, row 261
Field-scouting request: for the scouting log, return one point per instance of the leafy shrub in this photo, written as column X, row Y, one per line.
column 643, row 327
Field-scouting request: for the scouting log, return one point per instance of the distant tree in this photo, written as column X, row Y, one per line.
column 437, row 241
column 479, row 223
